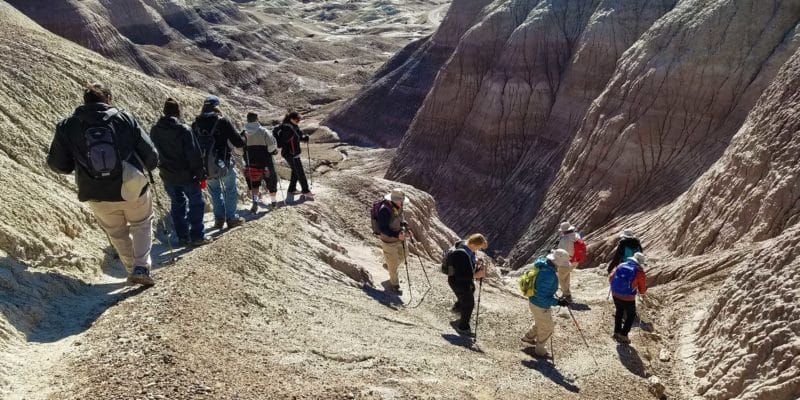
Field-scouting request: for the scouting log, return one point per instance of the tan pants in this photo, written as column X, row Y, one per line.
column 129, row 225
column 563, row 278
column 542, row 328
column 394, row 256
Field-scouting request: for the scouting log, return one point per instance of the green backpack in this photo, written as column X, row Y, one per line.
column 527, row 283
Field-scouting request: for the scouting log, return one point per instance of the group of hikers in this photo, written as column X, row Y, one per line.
column 111, row 156
column 540, row 281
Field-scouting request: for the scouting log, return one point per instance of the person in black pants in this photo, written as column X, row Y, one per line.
column 289, row 136
column 463, row 262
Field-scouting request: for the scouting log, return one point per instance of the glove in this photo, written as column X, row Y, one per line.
column 305, row 138
column 563, row 303
column 203, row 184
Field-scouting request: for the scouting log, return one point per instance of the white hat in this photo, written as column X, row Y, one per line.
column 639, row 258
column 627, row 234
column 566, row 227
column 396, row 195
column 559, row 257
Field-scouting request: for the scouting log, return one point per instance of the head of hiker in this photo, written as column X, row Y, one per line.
column 97, row 93
column 211, row 105
column 172, row 108
column 292, row 117
column 397, row 197
column 559, row 257
column 627, row 234
column 566, row 228
column 252, row 117
column 639, row 259
column 477, row 242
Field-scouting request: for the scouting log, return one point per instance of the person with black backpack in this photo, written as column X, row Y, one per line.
column 627, row 280
column 181, row 170
column 215, row 134
column 628, row 246
column 110, row 153
column 388, row 222
column 289, row 136
column 462, row 270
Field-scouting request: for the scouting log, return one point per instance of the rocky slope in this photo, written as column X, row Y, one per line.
column 268, row 54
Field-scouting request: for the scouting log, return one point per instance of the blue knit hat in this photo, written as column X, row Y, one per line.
column 211, row 100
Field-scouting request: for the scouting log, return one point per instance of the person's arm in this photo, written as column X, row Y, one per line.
column 60, row 158
column 384, row 219
column 272, row 144
column 462, row 266
column 194, row 158
column 229, row 131
column 617, row 259
column 641, row 282
column 611, row 274
column 143, row 146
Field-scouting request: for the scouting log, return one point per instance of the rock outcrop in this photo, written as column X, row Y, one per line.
column 383, row 111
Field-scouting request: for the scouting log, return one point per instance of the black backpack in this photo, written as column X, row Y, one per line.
column 447, row 257
column 214, row 166
column 103, row 159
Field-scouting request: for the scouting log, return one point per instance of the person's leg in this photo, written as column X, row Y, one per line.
column 177, row 200
column 467, row 301
column 111, row 217
column 544, row 328
column 620, row 310
column 301, row 175
column 272, row 179
column 630, row 316
column 563, row 280
column 530, row 336
column 197, row 208
column 231, row 195
column 454, row 287
column 139, row 215
column 215, row 191
column 293, row 179
column 393, row 261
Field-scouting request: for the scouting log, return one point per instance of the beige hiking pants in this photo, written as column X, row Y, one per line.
column 542, row 327
column 563, row 278
column 394, row 257
column 129, row 225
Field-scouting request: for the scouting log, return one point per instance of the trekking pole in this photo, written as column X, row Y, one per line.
column 310, row 167
column 478, row 309
column 424, row 271
column 165, row 230
column 582, row 335
column 408, row 275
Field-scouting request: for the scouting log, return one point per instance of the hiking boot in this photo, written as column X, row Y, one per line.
column 273, row 205
column 462, row 330
column 184, row 242
column 308, row 196
column 456, row 308
column 623, row 339
column 396, row 289
column 530, row 341
column 141, row 276
column 254, row 208
column 233, row 223
column 567, row 298
column 201, row 242
column 219, row 224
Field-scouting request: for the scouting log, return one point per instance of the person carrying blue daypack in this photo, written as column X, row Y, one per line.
column 544, row 298
column 627, row 280
column 627, row 247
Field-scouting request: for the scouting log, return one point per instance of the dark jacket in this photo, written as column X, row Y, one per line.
column 463, row 262
column 68, row 150
column 225, row 133
column 390, row 220
column 289, row 137
column 632, row 244
column 180, row 160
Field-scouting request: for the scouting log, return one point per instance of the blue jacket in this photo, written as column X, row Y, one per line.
column 546, row 284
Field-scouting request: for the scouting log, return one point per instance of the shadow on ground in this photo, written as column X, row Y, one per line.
column 549, row 371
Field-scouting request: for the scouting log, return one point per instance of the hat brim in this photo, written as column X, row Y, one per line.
column 389, row 197
column 571, row 228
column 636, row 261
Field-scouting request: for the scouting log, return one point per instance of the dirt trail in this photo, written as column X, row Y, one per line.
column 275, row 310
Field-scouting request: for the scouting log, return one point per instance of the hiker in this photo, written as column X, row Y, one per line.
column 627, row 247
column 465, row 269
column 567, row 241
column 627, row 279
column 260, row 146
column 289, row 137
column 544, row 287
column 181, row 170
column 110, row 152
column 215, row 134
column 389, row 222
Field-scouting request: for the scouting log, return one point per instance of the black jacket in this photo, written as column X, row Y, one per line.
column 181, row 162
column 463, row 266
column 225, row 133
column 289, row 137
column 619, row 254
column 68, row 150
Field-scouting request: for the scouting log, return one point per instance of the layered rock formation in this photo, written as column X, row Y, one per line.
column 381, row 113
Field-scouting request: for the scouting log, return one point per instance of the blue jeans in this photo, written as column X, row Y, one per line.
column 187, row 210
column 224, row 203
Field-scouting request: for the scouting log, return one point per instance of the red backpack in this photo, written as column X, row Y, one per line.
column 579, row 252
